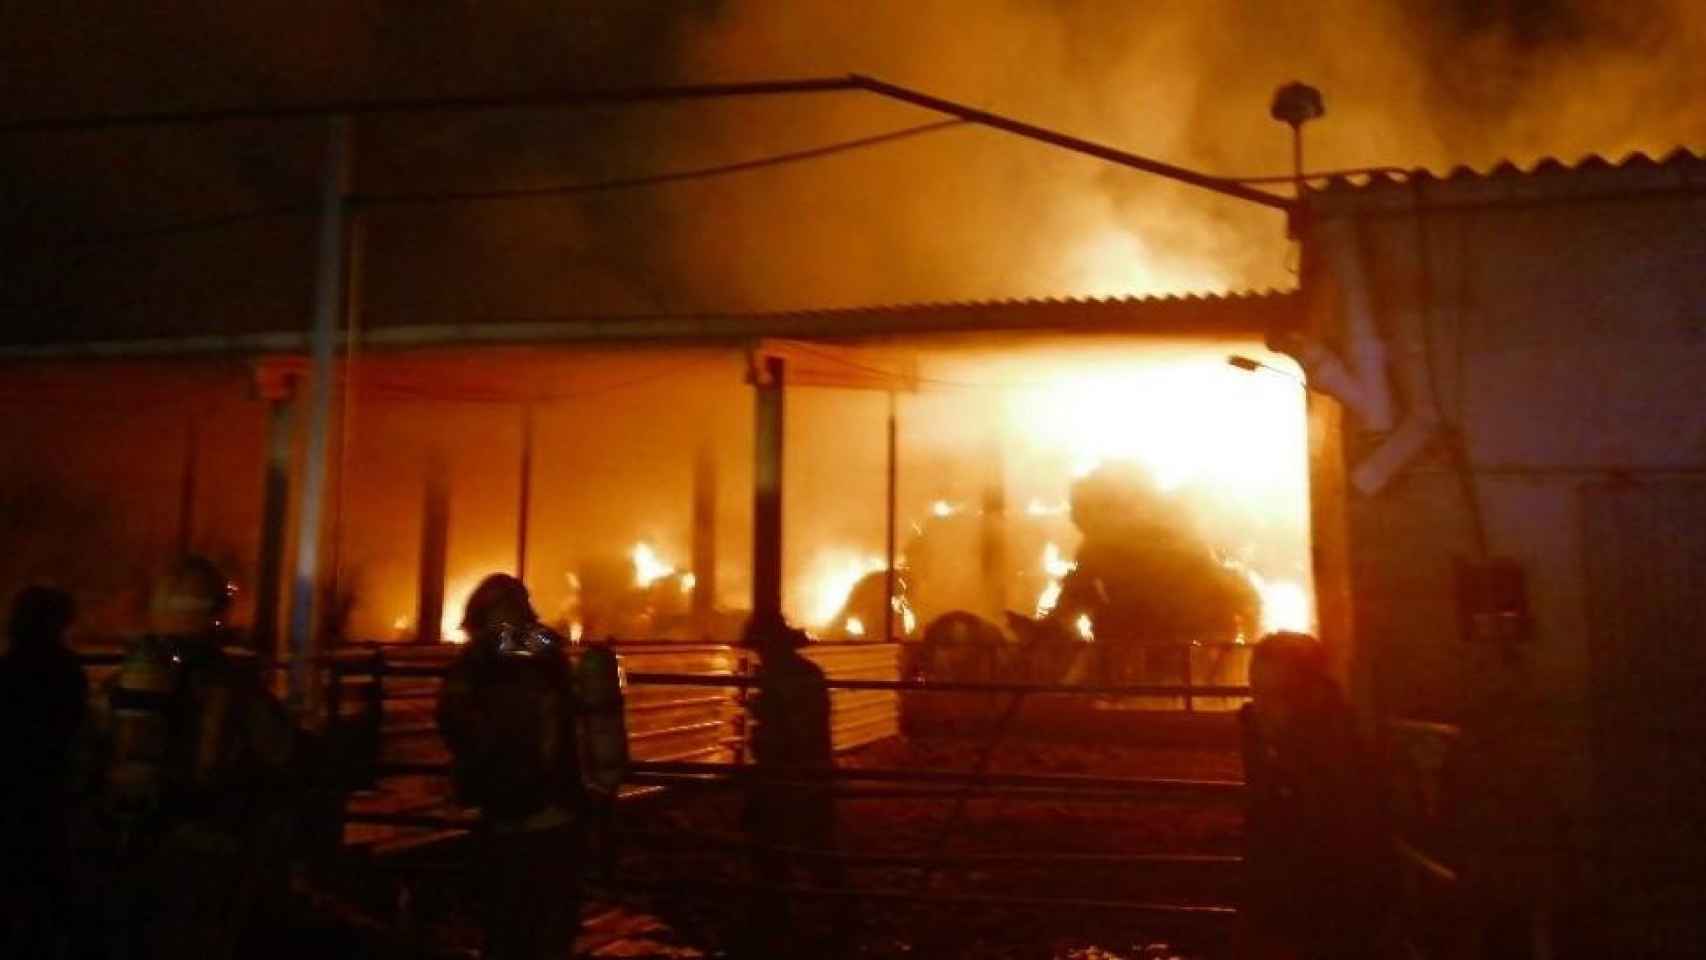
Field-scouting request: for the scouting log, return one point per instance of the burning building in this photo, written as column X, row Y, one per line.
column 616, row 476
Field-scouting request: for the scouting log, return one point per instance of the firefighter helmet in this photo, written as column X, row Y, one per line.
column 190, row 599
column 500, row 603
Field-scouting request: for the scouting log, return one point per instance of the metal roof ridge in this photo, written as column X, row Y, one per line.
column 1547, row 165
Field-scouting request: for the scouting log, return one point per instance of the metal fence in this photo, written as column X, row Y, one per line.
column 686, row 723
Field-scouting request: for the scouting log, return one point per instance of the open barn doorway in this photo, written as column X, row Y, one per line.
column 1105, row 511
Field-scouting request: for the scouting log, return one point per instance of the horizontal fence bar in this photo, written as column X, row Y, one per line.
column 700, row 843
column 944, row 686
column 892, row 775
column 731, row 776
column 1152, row 911
column 922, row 792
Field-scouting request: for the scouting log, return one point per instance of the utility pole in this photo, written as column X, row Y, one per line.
column 328, row 305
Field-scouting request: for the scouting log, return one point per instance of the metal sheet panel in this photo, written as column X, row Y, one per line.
column 859, row 717
column 1645, row 557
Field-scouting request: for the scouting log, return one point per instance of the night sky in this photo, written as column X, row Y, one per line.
column 155, row 232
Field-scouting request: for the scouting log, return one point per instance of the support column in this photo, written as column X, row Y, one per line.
column 275, row 383
column 767, row 379
column 187, row 487
column 435, row 543
column 524, row 501
column 704, row 539
column 889, row 521
column 328, row 304
column 993, row 530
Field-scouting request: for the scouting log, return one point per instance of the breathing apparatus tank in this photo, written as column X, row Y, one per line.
column 141, row 699
column 599, row 685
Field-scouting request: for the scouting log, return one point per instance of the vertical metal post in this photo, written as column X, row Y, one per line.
column 277, row 388
column 328, row 304
column 704, row 539
column 525, row 495
column 1297, row 159
column 889, row 520
column 187, row 490
column 993, row 530
column 768, row 380
column 1190, row 702
column 435, row 541
column 357, row 233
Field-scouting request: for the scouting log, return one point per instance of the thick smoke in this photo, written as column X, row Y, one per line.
column 972, row 213
column 964, row 213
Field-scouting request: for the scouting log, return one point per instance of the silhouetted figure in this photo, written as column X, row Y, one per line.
column 507, row 712
column 199, row 779
column 43, row 700
column 1315, row 832
column 791, row 806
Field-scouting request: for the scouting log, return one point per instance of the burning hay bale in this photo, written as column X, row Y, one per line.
column 1143, row 572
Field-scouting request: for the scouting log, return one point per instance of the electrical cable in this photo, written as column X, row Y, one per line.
column 1457, row 450
column 623, row 183
column 238, row 217
column 169, row 230
column 1318, row 175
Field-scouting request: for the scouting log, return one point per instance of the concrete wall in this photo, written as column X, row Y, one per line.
column 1566, row 334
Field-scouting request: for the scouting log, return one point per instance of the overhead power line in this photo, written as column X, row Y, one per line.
column 235, row 218
column 649, row 180
column 656, row 94
column 408, row 105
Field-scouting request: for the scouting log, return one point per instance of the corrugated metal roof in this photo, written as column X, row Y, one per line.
column 1248, row 313
column 1506, row 182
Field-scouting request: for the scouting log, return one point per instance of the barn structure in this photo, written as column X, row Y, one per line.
column 1510, row 518
column 1505, row 438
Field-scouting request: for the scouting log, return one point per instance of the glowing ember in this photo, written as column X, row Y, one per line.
column 577, row 630
column 908, row 620
column 942, row 508
column 855, row 627
column 1057, row 567
column 688, row 582
column 1086, row 630
column 648, row 567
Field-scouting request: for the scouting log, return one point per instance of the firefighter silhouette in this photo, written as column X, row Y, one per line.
column 508, row 714
column 43, row 696
column 1314, row 829
column 198, row 778
column 790, row 814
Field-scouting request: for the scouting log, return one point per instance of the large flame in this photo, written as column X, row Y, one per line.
column 1056, row 567
column 1285, row 604
column 830, row 580
column 649, row 568
column 1196, row 420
